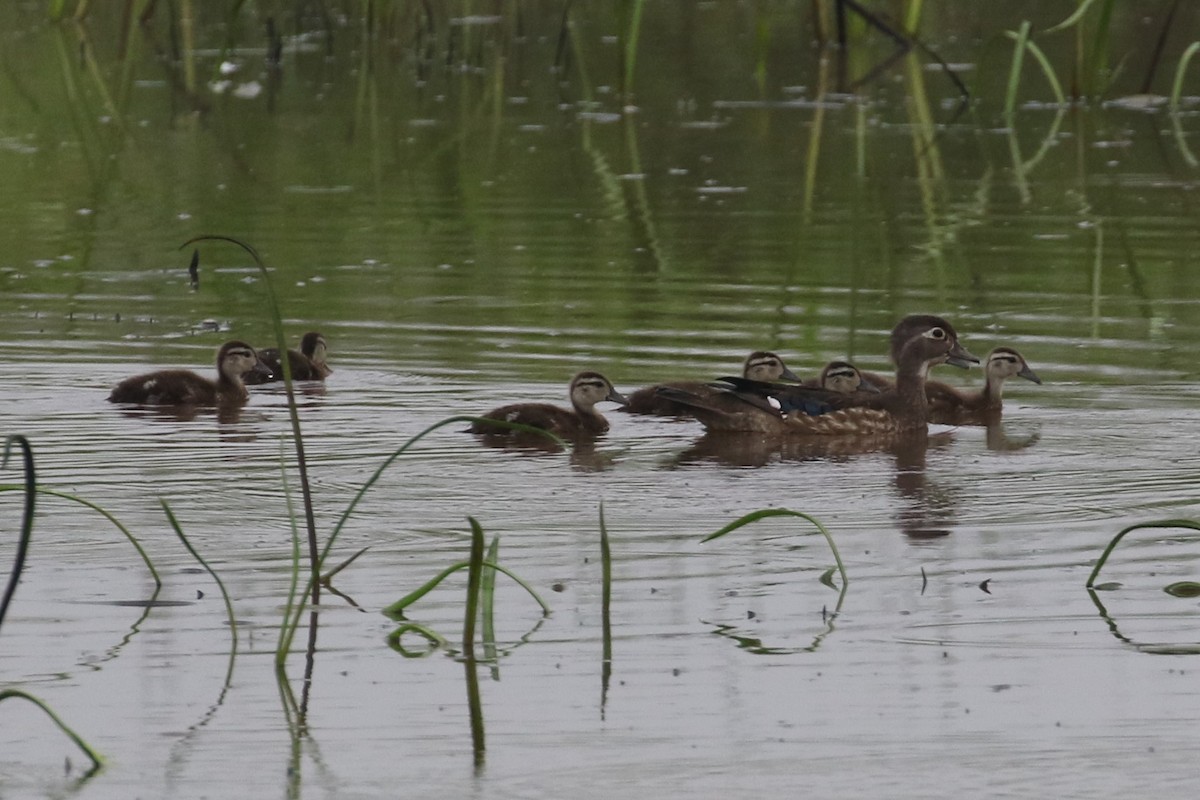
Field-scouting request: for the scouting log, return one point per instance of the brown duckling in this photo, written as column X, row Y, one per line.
column 308, row 364
column 582, row 420
column 919, row 342
column 842, row 377
column 759, row 366
column 181, row 387
column 952, row 406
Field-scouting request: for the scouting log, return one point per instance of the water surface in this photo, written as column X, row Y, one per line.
column 473, row 240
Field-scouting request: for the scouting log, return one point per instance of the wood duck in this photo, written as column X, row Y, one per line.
column 949, row 405
column 842, row 377
column 181, row 387
column 308, row 364
column 918, row 343
column 587, row 389
column 759, row 366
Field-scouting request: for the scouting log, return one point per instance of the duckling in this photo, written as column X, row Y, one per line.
column 587, row 389
column 842, row 377
column 307, row 365
column 759, row 365
column 919, row 342
column 181, row 387
column 954, row 406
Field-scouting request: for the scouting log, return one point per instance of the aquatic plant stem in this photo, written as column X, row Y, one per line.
column 220, row 584
column 754, row 516
column 1181, row 70
column 1162, row 523
column 474, row 573
column 314, row 585
column 128, row 535
column 26, row 517
column 1014, row 74
column 96, row 759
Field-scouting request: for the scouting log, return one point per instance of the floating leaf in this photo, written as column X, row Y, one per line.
column 1183, row 589
column 1110, row 586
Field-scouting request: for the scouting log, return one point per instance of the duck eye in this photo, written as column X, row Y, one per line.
column 936, row 333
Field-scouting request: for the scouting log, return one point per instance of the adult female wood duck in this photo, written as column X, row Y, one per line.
column 949, row 405
column 307, row 365
column 842, row 377
column 582, row 420
column 759, row 366
column 181, row 387
column 919, row 342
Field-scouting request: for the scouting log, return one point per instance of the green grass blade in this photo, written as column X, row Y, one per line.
column 1047, row 69
column 98, row 509
column 487, row 598
column 1014, row 74
column 220, row 584
column 435, row 639
column 474, row 576
column 755, row 516
column 284, row 644
column 96, row 759
column 1181, row 70
column 1162, row 523
column 1073, row 19
column 605, row 589
column 396, row 609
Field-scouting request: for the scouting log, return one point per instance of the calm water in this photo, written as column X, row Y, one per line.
column 471, row 233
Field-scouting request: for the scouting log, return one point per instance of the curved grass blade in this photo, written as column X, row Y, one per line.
column 755, row 516
column 293, row 409
column 1177, row 86
column 26, row 517
column 1014, row 73
column 102, row 512
column 337, row 528
column 1075, row 17
column 96, row 759
column 396, row 609
column 1025, row 43
column 436, row 641
column 1163, row 523
column 220, row 584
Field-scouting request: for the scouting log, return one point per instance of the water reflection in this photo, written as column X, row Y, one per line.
column 582, row 453
column 927, row 509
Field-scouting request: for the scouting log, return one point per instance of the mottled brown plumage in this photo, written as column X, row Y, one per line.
column 919, row 342
column 308, row 364
column 181, row 387
column 759, row 365
column 581, row 420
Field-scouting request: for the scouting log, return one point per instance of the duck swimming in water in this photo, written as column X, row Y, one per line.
column 181, row 387
column 760, row 365
column 308, row 364
column 581, row 420
column 918, row 343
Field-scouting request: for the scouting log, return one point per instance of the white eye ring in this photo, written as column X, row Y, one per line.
column 936, row 333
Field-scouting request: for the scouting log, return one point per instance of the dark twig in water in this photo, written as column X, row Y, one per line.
column 26, row 518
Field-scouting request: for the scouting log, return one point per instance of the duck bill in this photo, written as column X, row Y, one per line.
column 617, row 397
column 865, row 385
column 260, row 368
column 788, row 375
column 1029, row 374
column 959, row 357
